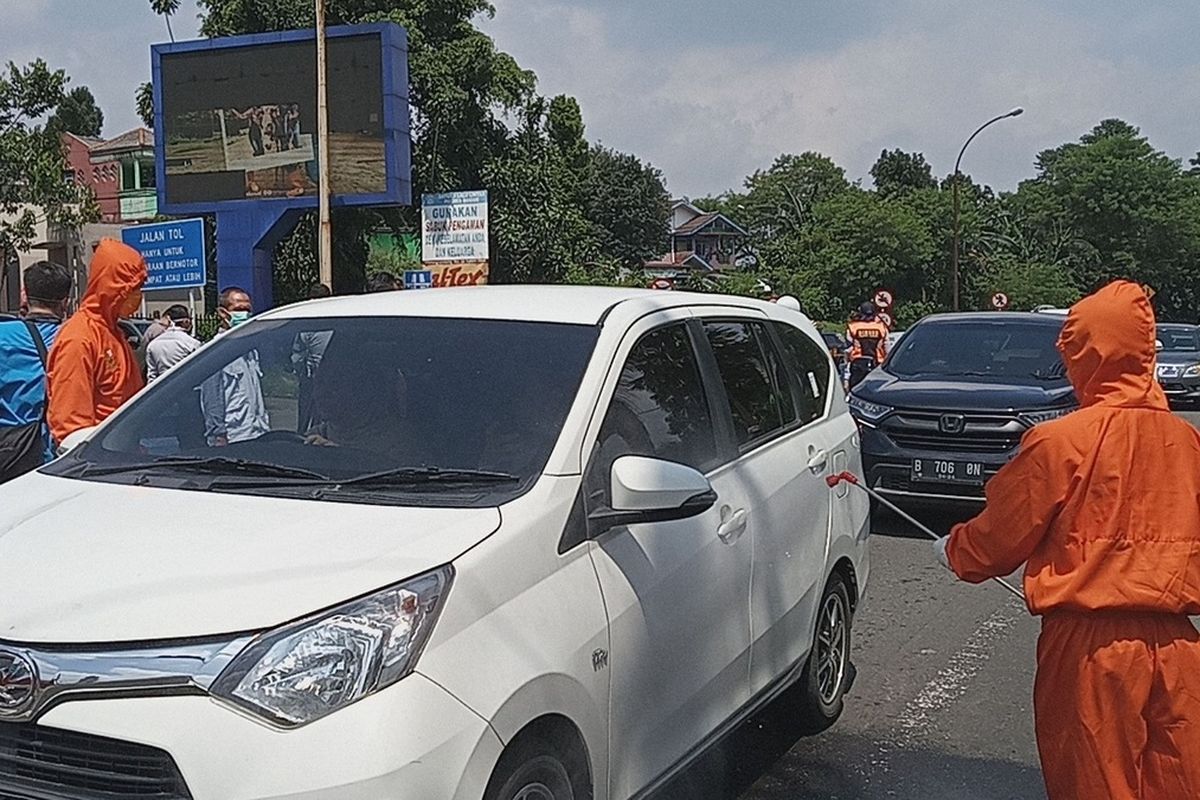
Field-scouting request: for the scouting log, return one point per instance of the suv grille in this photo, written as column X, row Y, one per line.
column 974, row 433
column 40, row 763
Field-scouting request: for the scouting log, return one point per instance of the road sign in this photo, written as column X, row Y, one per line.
column 886, row 319
column 999, row 301
column 662, row 283
column 418, row 279
column 1149, row 290
column 174, row 253
column 884, row 298
column 454, row 226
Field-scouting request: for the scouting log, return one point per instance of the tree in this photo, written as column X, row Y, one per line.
column 165, row 8
column 626, row 202
column 77, row 114
column 782, row 198
column 145, row 104
column 32, row 164
column 896, row 173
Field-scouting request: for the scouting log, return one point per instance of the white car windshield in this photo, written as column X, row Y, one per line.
column 353, row 408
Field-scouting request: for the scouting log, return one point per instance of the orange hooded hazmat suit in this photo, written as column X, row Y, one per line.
column 1103, row 507
column 92, row 368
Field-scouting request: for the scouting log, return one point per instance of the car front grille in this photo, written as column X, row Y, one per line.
column 40, row 763
column 970, row 433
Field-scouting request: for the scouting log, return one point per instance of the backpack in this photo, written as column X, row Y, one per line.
column 22, row 447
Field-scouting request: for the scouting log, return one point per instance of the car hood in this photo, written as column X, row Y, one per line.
column 941, row 394
column 1178, row 357
column 87, row 562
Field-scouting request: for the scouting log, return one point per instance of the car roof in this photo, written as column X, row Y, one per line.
column 1033, row 318
column 581, row 305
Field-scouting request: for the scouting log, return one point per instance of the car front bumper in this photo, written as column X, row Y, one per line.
column 412, row 741
column 1180, row 388
column 888, row 470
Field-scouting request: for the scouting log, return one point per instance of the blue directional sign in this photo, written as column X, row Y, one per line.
column 174, row 253
column 418, row 279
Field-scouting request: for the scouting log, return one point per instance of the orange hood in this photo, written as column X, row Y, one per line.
column 1107, row 345
column 117, row 271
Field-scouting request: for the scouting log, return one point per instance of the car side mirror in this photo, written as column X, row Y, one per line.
column 74, row 439
column 653, row 490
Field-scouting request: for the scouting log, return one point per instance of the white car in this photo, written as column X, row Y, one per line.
column 512, row 543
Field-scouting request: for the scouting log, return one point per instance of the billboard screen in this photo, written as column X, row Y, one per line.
column 238, row 118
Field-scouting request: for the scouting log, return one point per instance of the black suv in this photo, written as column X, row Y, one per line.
column 948, row 408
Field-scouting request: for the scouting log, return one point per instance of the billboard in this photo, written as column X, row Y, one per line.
column 235, row 119
column 454, row 227
column 174, row 253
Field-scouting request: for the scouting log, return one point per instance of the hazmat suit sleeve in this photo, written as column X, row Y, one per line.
column 72, row 387
column 1022, row 501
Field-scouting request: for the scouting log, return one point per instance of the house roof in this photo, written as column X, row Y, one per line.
column 136, row 139
column 701, row 222
column 88, row 141
column 685, row 258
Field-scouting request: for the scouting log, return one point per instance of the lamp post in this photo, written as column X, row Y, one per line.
column 325, row 227
column 1016, row 112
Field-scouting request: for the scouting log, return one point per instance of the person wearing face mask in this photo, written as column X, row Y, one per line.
column 92, row 369
column 232, row 399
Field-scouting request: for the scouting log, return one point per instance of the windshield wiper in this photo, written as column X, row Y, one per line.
column 407, row 476
column 219, row 465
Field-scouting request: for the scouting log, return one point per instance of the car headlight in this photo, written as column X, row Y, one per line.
column 868, row 411
column 1192, row 372
column 1032, row 418
column 308, row 669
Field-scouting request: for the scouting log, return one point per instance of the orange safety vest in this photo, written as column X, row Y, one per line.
column 867, row 340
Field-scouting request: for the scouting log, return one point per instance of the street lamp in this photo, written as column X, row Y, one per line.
column 1016, row 112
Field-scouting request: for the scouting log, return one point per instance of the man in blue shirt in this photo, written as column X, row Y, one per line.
column 24, row 438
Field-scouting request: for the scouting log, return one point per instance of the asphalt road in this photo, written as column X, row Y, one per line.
column 941, row 709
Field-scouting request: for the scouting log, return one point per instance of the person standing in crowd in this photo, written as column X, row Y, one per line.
column 868, row 343
column 156, row 328
column 92, row 367
column 232, row 399
column 1100, row 506
column 382, row 282
column 307, row 351
column 25, row 442
column 173, row 345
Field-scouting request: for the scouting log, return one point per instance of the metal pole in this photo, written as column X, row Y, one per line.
column 325, row 251
column 1016, row 112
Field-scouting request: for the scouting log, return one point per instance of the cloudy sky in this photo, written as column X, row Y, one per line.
column 710, row 90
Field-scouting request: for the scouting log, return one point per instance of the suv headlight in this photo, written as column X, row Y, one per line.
column 868, row 411
column 1192, row 372
column 308, row 669
column 1032, row 418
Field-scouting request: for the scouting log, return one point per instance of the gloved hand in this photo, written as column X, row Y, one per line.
column 939, row 549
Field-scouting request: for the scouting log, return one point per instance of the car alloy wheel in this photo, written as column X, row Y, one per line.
column 832, row 641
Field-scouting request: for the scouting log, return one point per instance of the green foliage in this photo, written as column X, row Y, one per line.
column 144, row 100
column 626, row 202
column 77, row 114
column 896, row 173
column 32, row 165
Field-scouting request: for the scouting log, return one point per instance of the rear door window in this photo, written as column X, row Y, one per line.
column 811, row 364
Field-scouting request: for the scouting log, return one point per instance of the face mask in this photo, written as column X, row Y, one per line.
column 131, row 304
column 238, row 317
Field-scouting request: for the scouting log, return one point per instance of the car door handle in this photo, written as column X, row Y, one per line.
column 733, row 526
column 817, row 459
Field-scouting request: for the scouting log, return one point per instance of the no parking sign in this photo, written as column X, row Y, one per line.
column 999, row 301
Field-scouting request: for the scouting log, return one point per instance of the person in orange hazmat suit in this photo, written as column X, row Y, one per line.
column 92, row 367
column 1103, row 507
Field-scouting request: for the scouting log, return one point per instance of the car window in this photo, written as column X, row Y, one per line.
column 781, row 376
column 1015, row 351
column 659, row 408
column 746, row 372
column 1179, row 339
column 812, row 370
column 352, row 396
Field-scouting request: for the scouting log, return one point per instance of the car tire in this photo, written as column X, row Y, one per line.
column 534, row 769
column 828, row 673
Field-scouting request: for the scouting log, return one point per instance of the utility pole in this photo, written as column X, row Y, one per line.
column 1016, row 112
column 325, row 246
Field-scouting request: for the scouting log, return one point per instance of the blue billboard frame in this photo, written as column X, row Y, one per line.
column 396, row 120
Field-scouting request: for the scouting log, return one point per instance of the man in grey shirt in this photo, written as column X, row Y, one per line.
column 232, row 399
column 173, row 344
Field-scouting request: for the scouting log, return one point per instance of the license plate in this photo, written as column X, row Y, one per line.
column 935, row 470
